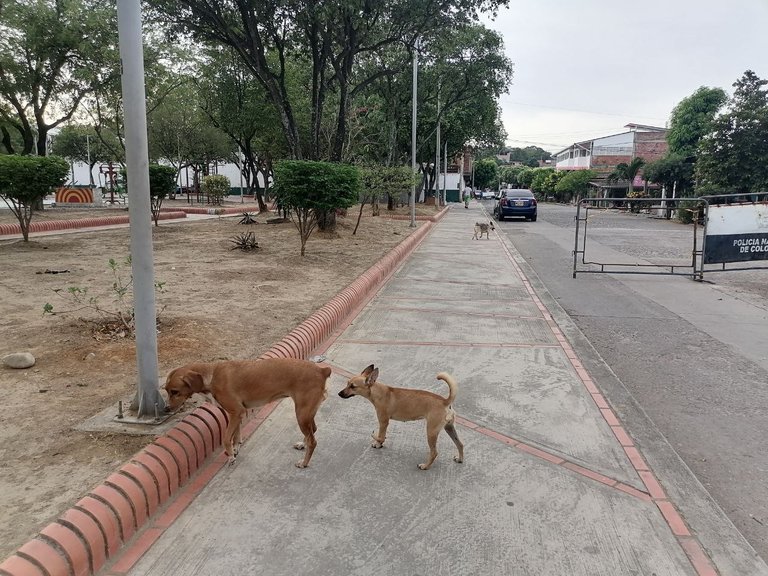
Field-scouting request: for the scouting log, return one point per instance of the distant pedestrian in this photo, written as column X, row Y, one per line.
column 467, row 193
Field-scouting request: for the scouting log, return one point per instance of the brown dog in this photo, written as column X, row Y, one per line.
column 238, row 385
column 405, row 405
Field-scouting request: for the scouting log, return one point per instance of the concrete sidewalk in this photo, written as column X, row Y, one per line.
column 552, row 483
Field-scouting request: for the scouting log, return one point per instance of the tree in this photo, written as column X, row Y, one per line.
column 692, row 119
column 378, row 181
column 309, row 189
column 486, row 173
column 239, row 107
column 529, row 156
column 539, row 182
column 670, row 172
column 80, row 143
column 510, row 175
column 330, row 38
column 162, row 183
column 734, row 156
column 51, row 56
column 574, row 185
column 525, row 177
column 26, row 180
column 627, row 172
column 549, row 185
column 182, row 135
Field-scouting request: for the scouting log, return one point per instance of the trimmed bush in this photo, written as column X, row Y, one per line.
column 312, row 190
column 216, row 187
column 26, row 180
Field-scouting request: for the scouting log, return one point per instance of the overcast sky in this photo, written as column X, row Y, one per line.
column 586, row 68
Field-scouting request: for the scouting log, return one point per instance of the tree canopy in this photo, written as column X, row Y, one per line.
column 692, row 119
column 343, row 44
column 52, row 55
column 734, row 156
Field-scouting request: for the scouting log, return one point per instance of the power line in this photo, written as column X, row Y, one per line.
column 590, row 112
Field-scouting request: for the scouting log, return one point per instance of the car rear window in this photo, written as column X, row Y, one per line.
column 518, row 194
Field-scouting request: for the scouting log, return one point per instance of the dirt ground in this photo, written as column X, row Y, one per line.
column 217, row 303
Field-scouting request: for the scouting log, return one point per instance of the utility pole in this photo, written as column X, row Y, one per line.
column 413, row 131
column 148, row 401
column 437, row 150
column 445, row 174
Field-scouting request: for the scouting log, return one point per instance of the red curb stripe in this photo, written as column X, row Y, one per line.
column 179, row 456
column 105, row 518
column 121, row 507
column 90, row 533
column 194, row 436
column 540, row 453
column 673, row 518
column 132, row 555
column 635, row 458
column 203, row 428
column 632, row 491
column 622, row 436
column 698, row 557
column 18, row 566
column 497, row 436
column 590, row 474
column 186, row 496
column 610, row 417
column 168, row 462
column 600, row 400
column 75, row 551
column 187, row 445
column 134, row 493
column 216, row 418
column 158, row 472
column 653, row 486
column 45, row 556
column 146, row 481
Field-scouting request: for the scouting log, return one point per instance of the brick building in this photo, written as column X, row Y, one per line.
column 603, row 154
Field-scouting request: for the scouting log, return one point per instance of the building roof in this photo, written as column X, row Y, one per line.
column 645, row 127
column 632, row 128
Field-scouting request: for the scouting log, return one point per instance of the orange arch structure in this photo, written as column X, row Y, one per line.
column 74, row 195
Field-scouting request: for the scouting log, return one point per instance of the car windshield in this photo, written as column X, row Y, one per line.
column 518, row 194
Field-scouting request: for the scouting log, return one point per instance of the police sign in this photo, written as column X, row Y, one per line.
column 736, row 233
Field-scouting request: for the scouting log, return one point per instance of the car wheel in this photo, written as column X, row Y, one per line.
column 500, row 216
column 533, row 218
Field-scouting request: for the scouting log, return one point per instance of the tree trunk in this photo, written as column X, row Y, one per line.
column 326, row 220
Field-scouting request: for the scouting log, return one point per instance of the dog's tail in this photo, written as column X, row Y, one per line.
column 452, row 387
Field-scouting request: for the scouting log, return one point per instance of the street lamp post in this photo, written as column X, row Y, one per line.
column 148, row 401
column 413, row 131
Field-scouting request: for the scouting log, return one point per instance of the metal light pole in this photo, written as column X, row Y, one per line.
column 413, row 132
column 88, row 152
column 445, row 173
column 437, row 150
column 148, row 401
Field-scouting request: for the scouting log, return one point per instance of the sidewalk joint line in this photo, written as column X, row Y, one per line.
column 690, row 545
column 452, row 344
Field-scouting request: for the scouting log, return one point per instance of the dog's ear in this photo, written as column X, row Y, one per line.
column 194, row 381
column 368, row 370
column 371, row 378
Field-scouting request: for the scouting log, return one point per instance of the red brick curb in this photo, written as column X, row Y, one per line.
column 53, row 225
column 178, row 464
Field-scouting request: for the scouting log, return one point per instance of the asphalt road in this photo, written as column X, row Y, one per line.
column 682, row 361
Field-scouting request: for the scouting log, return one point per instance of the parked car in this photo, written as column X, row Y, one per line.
column 487, row 194
column 520, row 203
